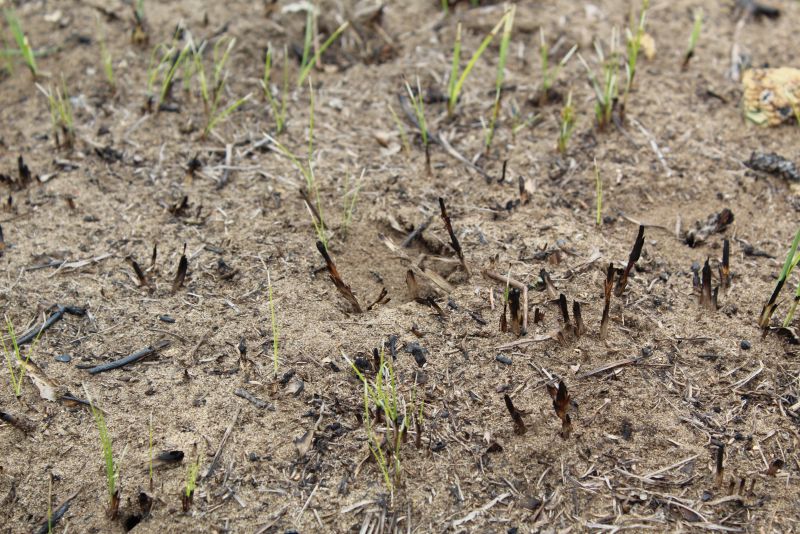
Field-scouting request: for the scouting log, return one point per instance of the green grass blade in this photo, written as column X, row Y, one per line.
column 308, row 66
column 474, row 59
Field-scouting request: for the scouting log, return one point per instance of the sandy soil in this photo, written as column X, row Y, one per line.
column 678, row 384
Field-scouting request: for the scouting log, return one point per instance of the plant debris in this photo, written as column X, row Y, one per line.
column 717, row 222
column 561, row 402
column 453, row 239
column 772, row 163
column 516, row 415
column 343, row 288
column 636, row 252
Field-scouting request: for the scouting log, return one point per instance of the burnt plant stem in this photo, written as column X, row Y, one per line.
column 707, row 299
column 57, row 315
column 519, row 424
column 453, row 239
column 516, row 319
column 609, row 284
column 180, row 274
column 562, row 305
column 725, row 266
column 343, row 288
column 636, row 252
column 133, row 358
column 492, row 275
column 578, row 318
column 720, row 472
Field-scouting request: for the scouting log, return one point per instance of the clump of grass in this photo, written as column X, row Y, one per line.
column 275, row 332
column 278, row 110
column 566, row 124
column 349, row 200
column 550, row 75
column 693, row 38
column 456, row 82
column 106, row 59
column 381, row 397
column 165, row 61
column 22, row 42
column 792, row 259
column 191, row 483
column 14, row 357
column 111, row 468
column 61, row 116
column 634, row 36
column 308, row 61
column 212, row 93
column 505, row 41
column 606, row 90
column 139, row 34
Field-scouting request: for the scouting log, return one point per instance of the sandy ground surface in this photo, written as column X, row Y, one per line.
column 652, row 404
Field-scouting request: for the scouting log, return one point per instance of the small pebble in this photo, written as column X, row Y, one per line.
column 166, row 318
column 745, row 344
column 65, row 358
column 502, row 358
column 647, row 352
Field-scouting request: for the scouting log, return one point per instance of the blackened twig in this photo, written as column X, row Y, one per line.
column 576, row 313
column 139, row 273
column 707, row 299
column 17, row 421
column 561, row 402
column 343, row 288
column 548, row 284
column 725, row 266
column 453, row 239
column 258, row 403
column 562, row 305
column 180, row 274
column 492, row 275
column 57, row 315
column 516, row 317
column 607, row 305
column 133, row 358
column 636, row 252
column 382, row 299
column 49, row 523
column 415, row 233
column 519, row 424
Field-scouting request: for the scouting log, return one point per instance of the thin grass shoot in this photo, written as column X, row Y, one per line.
column 456, row 88
column 14, row 359
column 598, row 188
column 505, row 42
column 634, row 36
column 401, row 129
column 697, row 27
column 105, row 57
column 278, row 108
column 550, row 75
column 419, row 110
column 566, row 124
column 308, row 61
column 22, row 42
column 275, row 332
column 111, row 468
